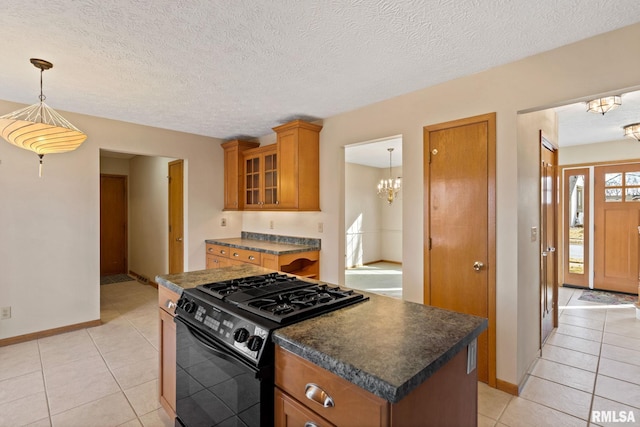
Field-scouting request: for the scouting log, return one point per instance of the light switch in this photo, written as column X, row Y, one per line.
column 534, row 234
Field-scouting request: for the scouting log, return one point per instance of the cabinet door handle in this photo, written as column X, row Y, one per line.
column 310, row 424
column 318, row 395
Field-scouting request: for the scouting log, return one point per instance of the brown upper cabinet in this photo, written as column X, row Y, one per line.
column 280, row 176
column 298, row 146
column 261, row 178
column 234, row 173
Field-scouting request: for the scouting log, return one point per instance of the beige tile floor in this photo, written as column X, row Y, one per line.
column 102, row 376
column 591, row 362
column 107, row 375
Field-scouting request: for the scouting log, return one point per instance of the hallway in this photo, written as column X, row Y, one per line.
column 591, row 362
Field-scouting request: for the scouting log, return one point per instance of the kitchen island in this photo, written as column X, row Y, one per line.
column 383, row 359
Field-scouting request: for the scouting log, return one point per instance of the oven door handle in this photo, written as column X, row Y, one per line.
column 206, row 343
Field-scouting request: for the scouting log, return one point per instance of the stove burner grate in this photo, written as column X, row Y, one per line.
column 229, row 287
column 301, row 302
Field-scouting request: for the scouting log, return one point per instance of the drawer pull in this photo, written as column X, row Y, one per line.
column 170, row 304
column 236, row 254
column 251, row 257
column 210, row 249
column 310, row 424
column 315, row 393
column 222, row 251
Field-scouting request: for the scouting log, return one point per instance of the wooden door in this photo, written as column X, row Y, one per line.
column 113, row 224
column 548, row 239
column 617, row 218
column 460, row 224
column 176, row 217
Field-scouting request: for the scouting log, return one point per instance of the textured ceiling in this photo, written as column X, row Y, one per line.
column 237, row 67
column 577, row 127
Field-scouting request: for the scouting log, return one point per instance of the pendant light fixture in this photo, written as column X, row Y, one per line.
column 632, row 131
column 604, row 105
column 39, row 128
column 388, row 188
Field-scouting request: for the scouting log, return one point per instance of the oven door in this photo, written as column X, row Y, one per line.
column 214, row 387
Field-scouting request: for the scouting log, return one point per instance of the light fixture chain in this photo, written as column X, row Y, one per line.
column 42, row 97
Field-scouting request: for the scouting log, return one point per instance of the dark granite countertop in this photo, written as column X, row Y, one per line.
column 384, row 345
column 179, row 281
column 269, row 243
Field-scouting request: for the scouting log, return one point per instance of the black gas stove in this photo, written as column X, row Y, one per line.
column 224, row 348
column 243, row 312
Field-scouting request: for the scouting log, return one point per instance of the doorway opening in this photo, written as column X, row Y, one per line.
column 373, row 226
column 146, row 212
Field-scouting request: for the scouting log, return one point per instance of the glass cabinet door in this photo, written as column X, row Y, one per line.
column 252, row 181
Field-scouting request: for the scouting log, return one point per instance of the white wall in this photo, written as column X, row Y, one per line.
column 149, row 216
column 624, row 149
column 528, row 298
column 362, row 215
column 50, row 228
column 114, row 166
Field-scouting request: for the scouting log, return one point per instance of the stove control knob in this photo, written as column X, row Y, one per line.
column 254, row 343
column 181, row 302
column 241, row 335
column 190, row 306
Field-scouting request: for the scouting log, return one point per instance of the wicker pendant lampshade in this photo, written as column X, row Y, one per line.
column 39, row 128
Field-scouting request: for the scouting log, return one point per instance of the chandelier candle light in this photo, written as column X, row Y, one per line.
column 39, row 128
column 389, row 188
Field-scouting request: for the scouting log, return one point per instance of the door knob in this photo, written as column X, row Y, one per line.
column 179, row 239
column 477, row 265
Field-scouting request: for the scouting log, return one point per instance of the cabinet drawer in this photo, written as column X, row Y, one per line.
column 290, row 413
column 299, row 377
column 167, row 299
column 218, row 250
column 244, row 255
column 217, row 261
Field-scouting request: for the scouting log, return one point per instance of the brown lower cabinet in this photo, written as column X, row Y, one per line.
column 167, row 369
column 307, row 395
column 304, row 264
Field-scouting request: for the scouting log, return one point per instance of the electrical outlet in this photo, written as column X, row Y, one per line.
column 223, row 222
column 5, row 313
column 271, row 224
column 320, row 227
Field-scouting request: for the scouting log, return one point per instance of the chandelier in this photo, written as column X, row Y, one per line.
column 603, row 105
column 39, row 128
column 632, row 131
column 388, row 188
